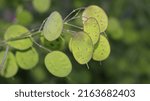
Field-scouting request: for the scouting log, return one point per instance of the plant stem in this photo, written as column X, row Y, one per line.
column 71, row 31
column 87, row 65
column 73, row 18
column 104, row 33
column 43, row 24
column 73, row 26
column 41, row 46
column 23, row 36
column 4, row 58
column 78, row 9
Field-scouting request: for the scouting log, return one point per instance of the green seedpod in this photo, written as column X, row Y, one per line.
column 70, row 45
column 27, row 59
column 14, row 35
column 53, row 26
column 23, row 17
column 97, row 13
column 102, row 51
column 58, row 64
column 82, row 47
column 66, row 36
column 91, row 27
column 41, row 6
column 10, row 67
column 58, row 44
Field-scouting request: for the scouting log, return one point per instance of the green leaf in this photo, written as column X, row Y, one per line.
column 102, row 51
column 27, row 59
column 53, row 26
column 91, row 27
column 97, row 13
column 58, row 64
column 82, row 47
column 16, row 31
column 10, row 68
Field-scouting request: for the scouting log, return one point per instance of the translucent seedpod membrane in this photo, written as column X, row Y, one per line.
column 53, row 26
column 97, row 13
column 91, row 27
column 58, row 64
column 14, row 37
column 27, row 59
column 10, row 67
column 82, row 47
column 102, row 51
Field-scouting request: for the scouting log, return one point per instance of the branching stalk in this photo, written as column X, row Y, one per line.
column 41, row 46
column 73, row 26
column 78, row 9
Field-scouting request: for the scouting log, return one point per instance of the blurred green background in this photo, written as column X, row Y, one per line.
column 128, row 33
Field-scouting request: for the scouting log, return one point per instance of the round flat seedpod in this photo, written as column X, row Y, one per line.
column 53, row 26
column 82, row 47
column 97, row 13
column 70, row 45
column 41, row 6
column 58, row 64
column 91, row 27
column 16, row 31
column 58, row 44
column 23, row 17
column 10, row 67
column 27, row 59
column 102, row 51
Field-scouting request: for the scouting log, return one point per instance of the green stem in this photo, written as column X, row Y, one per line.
column 41, row 46
column 23, row 36
column 40, row 29
column 4, row 58
column 78, row 9
column 70, row 31
column 73, row 18
column 73, row 26
column 87, row 65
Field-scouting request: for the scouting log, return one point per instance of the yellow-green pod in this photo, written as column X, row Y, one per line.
column 10, row 67
column 91, row 27
column 97, row 13
column 27, row 59
column 82, row 47
column 102, row 51
column 58, row 64
column 16, row 31
column 53, row 26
